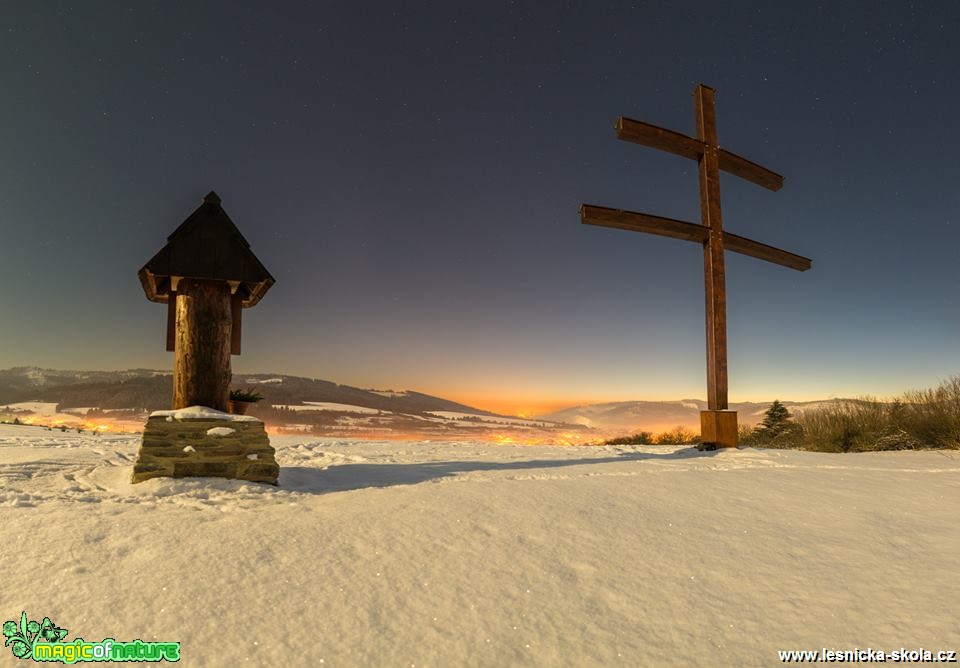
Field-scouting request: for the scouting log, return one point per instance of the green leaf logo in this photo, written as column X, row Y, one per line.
column 23, row 637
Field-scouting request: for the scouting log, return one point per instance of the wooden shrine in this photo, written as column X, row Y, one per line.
column 206, row 274
column 718, row 424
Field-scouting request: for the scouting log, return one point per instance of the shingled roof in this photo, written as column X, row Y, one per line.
column 206, row 245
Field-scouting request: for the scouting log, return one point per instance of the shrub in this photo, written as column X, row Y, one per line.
column 790, row 437
column 245, row 395
column 933, row 416
column 898, row 440
column 920, row 419
column 677, row 436
column 746, row 435
column 641, row 438
column 844, row 426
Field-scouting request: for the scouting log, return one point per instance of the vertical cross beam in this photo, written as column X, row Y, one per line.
column 713, row 265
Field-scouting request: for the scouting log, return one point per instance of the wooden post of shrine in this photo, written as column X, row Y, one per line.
column 718, row 425
column 202, row 335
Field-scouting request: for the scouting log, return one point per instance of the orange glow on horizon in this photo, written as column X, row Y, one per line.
column 532, row 407
column 103, row 426
column 90, row 426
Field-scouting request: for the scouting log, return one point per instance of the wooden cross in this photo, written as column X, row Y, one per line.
column 718, row 425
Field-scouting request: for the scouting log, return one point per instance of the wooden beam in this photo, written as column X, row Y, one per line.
column 751, row 171
column 236, row 315
column 678, row 229
column 656, row 137
column 641, row 222
column 713, row 261
column 171, row 321
column 745, row 246
column 161, row 285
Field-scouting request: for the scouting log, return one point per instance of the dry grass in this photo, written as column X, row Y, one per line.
column 919, row 419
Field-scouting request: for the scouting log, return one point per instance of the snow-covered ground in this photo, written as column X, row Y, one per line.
column 40, row 411
column 450, row 554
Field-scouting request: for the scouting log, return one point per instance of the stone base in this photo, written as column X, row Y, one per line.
column 718, row 429
column 205, row 443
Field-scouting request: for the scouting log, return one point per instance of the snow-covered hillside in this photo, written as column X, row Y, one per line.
column 493, row 419
column 449, row 554
column 313, row 406
column 144, row 390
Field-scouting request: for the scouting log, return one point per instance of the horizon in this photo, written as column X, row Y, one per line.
column 525, row 408
column 418, row 202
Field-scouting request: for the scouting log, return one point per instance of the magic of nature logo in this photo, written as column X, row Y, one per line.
column 44, row 641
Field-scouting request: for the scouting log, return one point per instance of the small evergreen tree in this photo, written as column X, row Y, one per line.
column 776, row 420
column 778, row 430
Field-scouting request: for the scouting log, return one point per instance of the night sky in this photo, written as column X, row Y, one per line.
column 411, row 174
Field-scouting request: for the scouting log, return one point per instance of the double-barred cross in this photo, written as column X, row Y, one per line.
column 718, row 425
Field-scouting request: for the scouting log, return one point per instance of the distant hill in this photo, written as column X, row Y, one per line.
column 134, row 388
column 101, row 400
column 151, row 390
column 656, row 416
column 324, row 407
